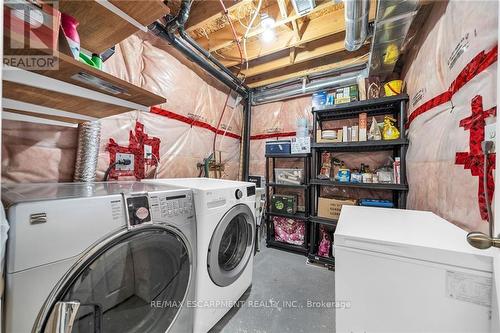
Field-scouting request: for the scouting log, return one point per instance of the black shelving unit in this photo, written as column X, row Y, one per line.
column 271, row 185
column 395, row 106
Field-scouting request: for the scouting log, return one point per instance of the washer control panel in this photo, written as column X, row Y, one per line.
column 172, row 207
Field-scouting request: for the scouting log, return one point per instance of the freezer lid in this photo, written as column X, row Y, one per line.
column 408, row 234
column 17, row 193
column 205, row 184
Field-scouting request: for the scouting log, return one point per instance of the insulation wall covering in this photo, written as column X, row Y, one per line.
column 452, row 73
column 185, row 124
column 37, row 153
column 274, row 121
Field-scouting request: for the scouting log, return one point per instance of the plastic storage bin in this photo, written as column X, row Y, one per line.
column 278, row 147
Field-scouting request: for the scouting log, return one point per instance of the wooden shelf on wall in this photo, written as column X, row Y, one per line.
column 100, row 28
column 75, row 88
column 71, row 91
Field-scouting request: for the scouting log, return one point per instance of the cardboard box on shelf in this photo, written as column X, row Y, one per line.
column 330, row 207
column 346, row 94
column 363, row 121
column 320, row 139
column 355, row 133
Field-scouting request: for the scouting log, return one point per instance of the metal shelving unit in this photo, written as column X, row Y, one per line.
column 395, row 106
column 271, row 186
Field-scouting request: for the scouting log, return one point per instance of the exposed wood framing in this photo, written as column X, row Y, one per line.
column 223, row 37
column 313, row 50
column 303, row 44
column 333, row 61
column 311, row 29
column 204, row 12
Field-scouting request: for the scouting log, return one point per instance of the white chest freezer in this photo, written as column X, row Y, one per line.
column 408, row 271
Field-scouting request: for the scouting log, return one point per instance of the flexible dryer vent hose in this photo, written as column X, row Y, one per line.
column 89, row 137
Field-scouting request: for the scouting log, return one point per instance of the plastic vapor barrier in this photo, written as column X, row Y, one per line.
column 185, row 125
column 37, row 153
column 452, row 75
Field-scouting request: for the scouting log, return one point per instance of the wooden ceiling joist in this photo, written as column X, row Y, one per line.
column 326, row 25
column 333, row 61
column 303, row 44
column 313, row 50
column 203, row 12
column 223, row 38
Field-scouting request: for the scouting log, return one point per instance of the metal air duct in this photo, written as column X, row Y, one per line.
column 87, row 153
column 356, row 23
column 392, row 24
column 272, row 95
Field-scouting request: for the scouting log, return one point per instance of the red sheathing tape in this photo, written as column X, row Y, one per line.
column 136, row 146
column 478, row 64
column 474, row 159
column 192, row 122
column 271, row 135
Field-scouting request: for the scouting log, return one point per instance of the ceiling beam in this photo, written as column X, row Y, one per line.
column 204, row 11
column 312, row 50
column 311, row 30
column 283, row 9
column 223, row 38
column 333, row 61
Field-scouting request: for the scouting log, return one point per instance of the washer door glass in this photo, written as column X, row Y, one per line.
column 134, row 285
column 231, row 245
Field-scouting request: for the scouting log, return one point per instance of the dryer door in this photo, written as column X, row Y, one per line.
column 134, row 283
column 231, row 245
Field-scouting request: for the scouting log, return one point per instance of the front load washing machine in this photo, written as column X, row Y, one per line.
column 225, row 219
column 99, row 257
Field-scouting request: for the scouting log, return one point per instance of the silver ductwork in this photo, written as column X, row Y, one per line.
column 356, row 23
column 89, row 137
column 306, row 88
column 390, row 36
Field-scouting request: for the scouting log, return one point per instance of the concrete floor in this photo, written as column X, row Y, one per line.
column 281, row 297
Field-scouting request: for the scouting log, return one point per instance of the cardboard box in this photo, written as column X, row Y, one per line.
column 354, row 133
column 330, row 207
column 320, row 139
column 363, row 121
column 345, row 135
column 346, row 94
